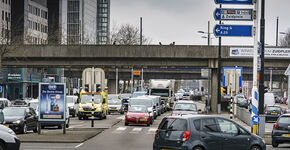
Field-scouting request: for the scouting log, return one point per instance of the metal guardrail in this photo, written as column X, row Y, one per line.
column 243, row 114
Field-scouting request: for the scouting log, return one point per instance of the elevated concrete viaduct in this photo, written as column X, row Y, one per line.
column 151, row 56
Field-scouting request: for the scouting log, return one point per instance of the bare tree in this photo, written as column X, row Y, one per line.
column 285, row 41
column 127, row 35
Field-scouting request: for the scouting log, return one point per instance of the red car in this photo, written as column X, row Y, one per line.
column 137, row 114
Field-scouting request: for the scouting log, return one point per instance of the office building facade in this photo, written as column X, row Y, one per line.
column 5, row 21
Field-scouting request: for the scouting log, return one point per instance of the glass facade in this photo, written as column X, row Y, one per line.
column 103, row 21
column 73, row 22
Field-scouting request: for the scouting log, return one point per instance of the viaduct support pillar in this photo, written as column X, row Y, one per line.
column 112, row 86
column 214, row 90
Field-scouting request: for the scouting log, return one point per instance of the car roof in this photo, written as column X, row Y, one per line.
column 195, row 116
column 189, row 102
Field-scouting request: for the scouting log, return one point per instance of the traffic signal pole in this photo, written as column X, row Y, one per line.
column 255, row 70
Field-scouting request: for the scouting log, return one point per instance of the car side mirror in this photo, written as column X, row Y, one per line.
column 154, row 107
column 199, row 110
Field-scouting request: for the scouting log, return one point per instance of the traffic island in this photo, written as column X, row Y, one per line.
column 57, row 136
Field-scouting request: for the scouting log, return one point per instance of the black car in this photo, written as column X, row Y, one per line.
column 20, row 119
column 272, row 113
column 281, row 130
column 203, row 132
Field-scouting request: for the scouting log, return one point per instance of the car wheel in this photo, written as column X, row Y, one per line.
column 73, row 115
column 197, row 148
column 80, row 118
column 148, row 124
column 126, row 124
column 109, row 113
column 255, row 147
column 59, row 127
column 274, row 144
column 35, row 130
column 1, row 146
column 24, row 131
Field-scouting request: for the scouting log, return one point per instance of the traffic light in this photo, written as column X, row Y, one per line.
column 87, row 88
column 224, row 90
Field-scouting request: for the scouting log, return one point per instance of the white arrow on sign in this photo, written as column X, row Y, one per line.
column 217, row 14
column 217, row 30
column 256, row 119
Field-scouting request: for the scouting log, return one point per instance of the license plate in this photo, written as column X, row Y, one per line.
column 274, row 113
column 114, row 109
column 165, row 149
column 6, row 125
column 143, row 119
column 89, row 115
column 286, row 135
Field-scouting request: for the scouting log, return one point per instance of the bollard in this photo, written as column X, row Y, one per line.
column 231, row 109
column 93, row 118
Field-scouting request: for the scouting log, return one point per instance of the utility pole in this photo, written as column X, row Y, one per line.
column 262, row 40
column 141, row 39
column 208, row 33
column 277, row 30
column 117, row 81
column 219, row 72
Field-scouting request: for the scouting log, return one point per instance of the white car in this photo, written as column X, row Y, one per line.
column 8, row 138
column 71, row 102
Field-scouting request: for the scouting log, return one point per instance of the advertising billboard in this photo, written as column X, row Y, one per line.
column 246, row 52
column 52, row 102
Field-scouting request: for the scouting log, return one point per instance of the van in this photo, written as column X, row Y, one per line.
column 157, row 103
column 269, row 99
column 71, row 102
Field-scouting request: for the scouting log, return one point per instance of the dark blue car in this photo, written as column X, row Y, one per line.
column 203, row 132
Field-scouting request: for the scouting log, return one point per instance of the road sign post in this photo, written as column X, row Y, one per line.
column 233, row 30
column 233, row 14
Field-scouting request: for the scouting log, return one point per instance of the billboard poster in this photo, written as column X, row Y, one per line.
column 52, row 102
column 244, row 52
column 232, row 75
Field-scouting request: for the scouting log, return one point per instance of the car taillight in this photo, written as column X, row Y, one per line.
column 265, row 111
column 186, row 135
column 156, row 134
column 276, row 126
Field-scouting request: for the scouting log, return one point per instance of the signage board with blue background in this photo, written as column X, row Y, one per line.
column 238, row 69
column 52, row 102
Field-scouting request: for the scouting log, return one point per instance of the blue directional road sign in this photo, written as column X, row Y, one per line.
column 0, row 89
column 233, row 14
column 248, row 2
column 255, row 119
column 233, row 30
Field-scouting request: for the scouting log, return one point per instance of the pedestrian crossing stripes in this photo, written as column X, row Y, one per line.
column 121, row 118
column 134, row 130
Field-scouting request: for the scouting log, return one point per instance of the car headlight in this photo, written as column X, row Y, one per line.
column 17, row 122
column 99, row 109
column 129, row 117
column 145, row 117
column 80, row 109
column 11, row 132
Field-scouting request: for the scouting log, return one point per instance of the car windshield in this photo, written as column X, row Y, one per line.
column 34, row 105
column 114, row 102
column 284, row 120
column 110, row 97
column 145, row 102
column 70, row 100
column 140, row 109
column 273, row 108
column 89, row 98
column 14, row 111
column 125, row 96
column 160, row 92
column 136, row 94
column 185, row 107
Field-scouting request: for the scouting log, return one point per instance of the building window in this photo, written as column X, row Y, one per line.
column 2, row 15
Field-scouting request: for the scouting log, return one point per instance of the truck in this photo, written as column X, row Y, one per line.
column 93, row 99
column 164, row 89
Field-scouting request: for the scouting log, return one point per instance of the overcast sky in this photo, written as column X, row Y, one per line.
column 179, row 20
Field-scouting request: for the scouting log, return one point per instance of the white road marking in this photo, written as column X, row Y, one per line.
column 152, row 131
column 79, row 145
column 136, row 130
column 119, row 129
column 121, row 117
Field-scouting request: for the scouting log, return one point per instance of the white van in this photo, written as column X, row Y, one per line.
column 269, row 99
column 72, row 105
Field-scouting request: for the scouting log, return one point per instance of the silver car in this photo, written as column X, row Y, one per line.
column 184, row 108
